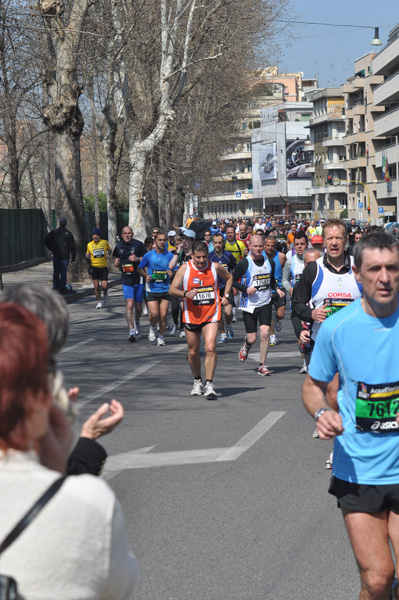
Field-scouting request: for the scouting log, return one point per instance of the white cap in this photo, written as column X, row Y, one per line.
column 170, row 233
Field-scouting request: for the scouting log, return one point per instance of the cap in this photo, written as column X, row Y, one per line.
column 322, row 220
column 96, row 231
column 317, row 239
column 189, row 233
column 281, row 222
column 214, row 223
column 63, row 221
column 170, row 233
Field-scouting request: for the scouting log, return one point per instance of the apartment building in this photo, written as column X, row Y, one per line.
column 386, row 65
column 327, row 131
column 361, row 140
column 234, row 195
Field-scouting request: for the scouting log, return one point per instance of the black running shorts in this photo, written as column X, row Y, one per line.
column 100, row 273
column 157, row 296
column 261, row 314
column 370, row 499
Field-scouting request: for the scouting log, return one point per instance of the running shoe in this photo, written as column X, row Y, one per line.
column 137, row 329
column 329, row 461
column 197, row 388
column 151, row 335
column 230, row 332
column 222, row 339
column 303, row 370
column 272, row 340
column 161, row 341
column 209, row 391
column 172, row 330
column 315, row 434
column 182, row 333
column 234, row 319
column 99, row 304
column 132, row 337
column 243, row 353
column 263, row 370
column 105, row 298
column 278, row 326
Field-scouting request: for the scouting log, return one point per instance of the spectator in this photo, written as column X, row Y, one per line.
column 61, row 243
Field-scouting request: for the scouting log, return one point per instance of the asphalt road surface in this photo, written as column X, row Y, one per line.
column 223, row 500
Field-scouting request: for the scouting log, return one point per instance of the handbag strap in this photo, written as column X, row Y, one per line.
column 32, row 513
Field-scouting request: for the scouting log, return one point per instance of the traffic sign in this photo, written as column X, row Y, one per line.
column 238, row 194
column 360, row 204
column 380, row 210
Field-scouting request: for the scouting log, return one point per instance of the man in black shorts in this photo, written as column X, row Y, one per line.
column 257, row 282
column 98, row 252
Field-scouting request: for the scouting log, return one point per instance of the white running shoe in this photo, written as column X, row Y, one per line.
column 182, row 333
column 161, row 341
column 329, row 461
column 303, row 370
column 315, row 435
column 222, row 339
column 209, row 391
column 151, row 335
column 172, row 330
column 234, row 319
column 272, row 340
column 132, row 337
column 137, row 329
column 197, row 388
column 99, row 304
column 105, row 298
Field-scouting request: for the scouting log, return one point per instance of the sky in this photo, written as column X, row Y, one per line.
column 330, row 52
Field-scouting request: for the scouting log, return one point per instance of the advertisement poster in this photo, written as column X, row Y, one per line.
column 297, row 157
column 268, row 162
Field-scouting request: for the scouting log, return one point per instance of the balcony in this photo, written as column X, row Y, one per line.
column 355, row 136
column 387, row 124
column 243, row 155
column 386, row 59
column 356, row 162
column 382, row 191
column 326, row 189
column 356, row 109
column 309, row 168
column 325, row 117
column 333, row 142
column 391, row 153
column 336, row 165
column 388, row 91
column 237, row 176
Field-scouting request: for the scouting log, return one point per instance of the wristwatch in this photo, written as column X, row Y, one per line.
column 319, row 412
column 184, row 293
column 226, row 296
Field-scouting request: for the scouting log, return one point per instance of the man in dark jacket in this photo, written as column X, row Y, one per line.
column 62, row 245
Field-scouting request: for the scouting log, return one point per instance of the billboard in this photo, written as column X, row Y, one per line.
column 268, row 162
column 297, row 157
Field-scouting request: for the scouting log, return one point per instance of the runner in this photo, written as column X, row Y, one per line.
column 257, row 282
column 184, row 251
column 127, row 253
column 291, row 275
column 227, row 260
column 238, row 250
column 98, row 252
column 279, row 302
column 156, row 268
column 196, row 282
column 243, row 235
column 365, row 432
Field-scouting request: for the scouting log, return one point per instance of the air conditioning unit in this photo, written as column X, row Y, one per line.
column 342, row 206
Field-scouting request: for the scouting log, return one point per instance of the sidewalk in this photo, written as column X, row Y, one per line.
column 43, row 273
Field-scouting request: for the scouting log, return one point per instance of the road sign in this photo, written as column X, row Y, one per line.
column 360, row 204
column 238, row 194
column 380, row 210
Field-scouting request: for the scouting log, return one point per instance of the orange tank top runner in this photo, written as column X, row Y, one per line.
column 205, row 307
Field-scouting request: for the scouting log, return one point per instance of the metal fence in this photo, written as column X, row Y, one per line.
column 22, row 233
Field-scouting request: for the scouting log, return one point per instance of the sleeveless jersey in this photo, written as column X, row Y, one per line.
column 257, row 277
column 333, row 290
column 205, row 307
column 296, row 269
column 278, row 269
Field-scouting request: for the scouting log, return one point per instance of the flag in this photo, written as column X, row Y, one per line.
column 385, row 172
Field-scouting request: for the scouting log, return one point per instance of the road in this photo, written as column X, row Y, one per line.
column 223, row 500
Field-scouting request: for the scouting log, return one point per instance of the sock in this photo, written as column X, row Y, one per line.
column 209, row 380
column 246, row 344
column 198, row 378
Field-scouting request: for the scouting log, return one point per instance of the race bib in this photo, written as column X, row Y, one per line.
column 128, row 269
column 204, row 295
column 333, row 305
column 261, row 282
column 159, row 276
column 98, row 252
column 376, row 407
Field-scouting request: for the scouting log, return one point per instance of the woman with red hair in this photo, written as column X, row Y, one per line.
column 76, row 547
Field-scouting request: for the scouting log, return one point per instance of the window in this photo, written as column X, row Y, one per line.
column 305, row 117
column 250, row 189
column 244, row 125
column 249, row 168
column 248, row 147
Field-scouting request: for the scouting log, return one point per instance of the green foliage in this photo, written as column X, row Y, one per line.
column 343, row 214
column 88, row 201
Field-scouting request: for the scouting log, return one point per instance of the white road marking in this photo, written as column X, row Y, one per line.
column 115, row 384
column 68, row 348
column 177, row 349
column 251, row 437
column 272, row 354
column 143, row 458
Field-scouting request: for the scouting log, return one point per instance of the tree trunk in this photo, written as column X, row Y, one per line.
column 95, row 171
column 136, row 201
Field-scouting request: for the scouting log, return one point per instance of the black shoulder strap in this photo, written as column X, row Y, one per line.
column 32, row 513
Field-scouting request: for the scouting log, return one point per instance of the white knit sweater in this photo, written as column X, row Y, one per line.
column 76, row 548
